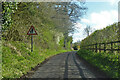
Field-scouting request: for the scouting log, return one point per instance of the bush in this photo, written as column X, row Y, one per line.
column 75, row 48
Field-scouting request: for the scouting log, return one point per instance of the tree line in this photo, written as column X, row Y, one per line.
column 108, row 34
column 53, row 21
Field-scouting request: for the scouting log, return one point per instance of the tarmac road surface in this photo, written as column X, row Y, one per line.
column 66, row 65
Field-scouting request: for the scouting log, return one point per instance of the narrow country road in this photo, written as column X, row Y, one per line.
column 65, row 65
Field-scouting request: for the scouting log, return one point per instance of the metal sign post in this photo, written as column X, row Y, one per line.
column 31, row 43
column 32, row 32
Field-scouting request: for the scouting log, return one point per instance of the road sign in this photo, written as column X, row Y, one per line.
column 32, row 31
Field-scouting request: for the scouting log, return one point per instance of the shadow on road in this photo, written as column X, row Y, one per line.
column 66, row 67
column 80, row 70
column 77, row 65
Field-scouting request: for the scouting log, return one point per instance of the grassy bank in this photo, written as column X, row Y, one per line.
column 18, row 60
column 108, row 62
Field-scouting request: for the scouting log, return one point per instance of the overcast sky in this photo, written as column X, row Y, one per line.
column 99, row 15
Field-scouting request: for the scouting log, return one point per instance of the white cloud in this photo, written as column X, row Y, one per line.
column 77, row 39
column 85, row 20
column 114, row 2
column 78, row 35
column 102, row 19
column 78, row 25
column 96, row 21
column 111, row 1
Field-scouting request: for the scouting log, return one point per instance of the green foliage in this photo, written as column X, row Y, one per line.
column 18, row 18
column 107, row 34
column 61, row 43
column 8, row 9
column 108, row 62
column 75, row 46
column 39, row 19
column 12, row 34
column 69, row 42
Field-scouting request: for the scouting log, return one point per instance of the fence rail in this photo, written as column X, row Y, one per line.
column 97, row 47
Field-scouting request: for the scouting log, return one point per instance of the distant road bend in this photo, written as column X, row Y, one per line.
column 65, row 65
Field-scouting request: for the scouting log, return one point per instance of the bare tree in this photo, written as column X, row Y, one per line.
column 87, row 30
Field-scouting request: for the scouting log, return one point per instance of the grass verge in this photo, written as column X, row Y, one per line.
column 17, row 59
column 107, row 62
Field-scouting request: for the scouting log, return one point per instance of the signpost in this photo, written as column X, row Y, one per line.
column 32, row 32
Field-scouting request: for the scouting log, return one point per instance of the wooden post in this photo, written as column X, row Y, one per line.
column 93, row 48
column 111, row 47
column 96, row 47
column 104, row 47
column 89, row 47
column 118, row 47
column 100, row 48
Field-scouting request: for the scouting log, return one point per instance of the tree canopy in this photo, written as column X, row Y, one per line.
column 55, row 18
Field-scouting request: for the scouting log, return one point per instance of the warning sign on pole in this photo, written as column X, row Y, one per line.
column 32, row 32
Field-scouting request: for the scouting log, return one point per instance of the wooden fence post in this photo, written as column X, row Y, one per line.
column 88, row 47
column 96, row 47
column 93, row 48
column 100, row 48
column 104, row 47
column 118, row 47
column 111, row 47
